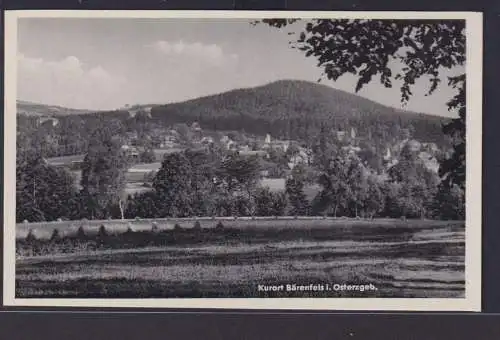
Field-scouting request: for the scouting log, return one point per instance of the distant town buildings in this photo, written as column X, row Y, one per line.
column 134, row 110
column 131, row 151
column 340, row 135
column 351, row 149
column 268, row 140
column 301, row 157
column 44, row 120
column 228, row 143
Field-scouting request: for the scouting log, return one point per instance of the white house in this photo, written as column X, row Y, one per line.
column 207, row 140
column 268, row 139
column 388, row 155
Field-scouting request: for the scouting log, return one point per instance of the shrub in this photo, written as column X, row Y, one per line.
column 197, row 225
column 269, row 203
column 56, row 236
column 30, row 237
column 219, row 226
column 80, row 234
column 148, row 156
column 102, row 231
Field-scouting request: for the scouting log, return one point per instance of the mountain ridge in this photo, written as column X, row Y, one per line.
column 27, row 103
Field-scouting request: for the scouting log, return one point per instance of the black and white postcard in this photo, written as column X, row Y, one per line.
column 243, row 160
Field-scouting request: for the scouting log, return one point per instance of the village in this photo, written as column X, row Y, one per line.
column 277, row 157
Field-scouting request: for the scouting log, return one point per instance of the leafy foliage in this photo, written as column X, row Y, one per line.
column 103, row 172
column 417, row 187
column 43, row 192
column 270, row 203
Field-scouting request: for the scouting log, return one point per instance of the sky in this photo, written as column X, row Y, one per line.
column 104, row 64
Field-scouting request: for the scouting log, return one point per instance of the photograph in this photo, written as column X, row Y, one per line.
column 243, row 159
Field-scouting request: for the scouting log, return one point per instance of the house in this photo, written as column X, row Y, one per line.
column 268, row 139
column 131, row 135
column 133, row 111
column 340, row 135
column 228, row 143
column 303, row 156
column 430, row 162
column 245, row 148
column 207, row 141
column 131, row 151
column 351, row 149
column 43, row 120
column 250, row 153
column 353, row 133
column 196, row 127
column 431, row 148
column 388, row 155
column 72, row 162
column 414, row 145
column 281, row 145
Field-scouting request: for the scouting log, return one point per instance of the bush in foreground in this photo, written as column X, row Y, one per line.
column 197, row 226
column 219, row 226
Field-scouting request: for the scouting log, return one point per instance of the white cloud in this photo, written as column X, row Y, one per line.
column 67, row 82
column 210, row 53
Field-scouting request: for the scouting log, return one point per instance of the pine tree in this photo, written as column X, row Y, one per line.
column 173, row 186
column 294, row 188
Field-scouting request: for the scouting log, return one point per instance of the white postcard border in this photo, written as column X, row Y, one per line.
column 473, row 231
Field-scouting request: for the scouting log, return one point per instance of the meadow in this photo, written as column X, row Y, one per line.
column 230, row 258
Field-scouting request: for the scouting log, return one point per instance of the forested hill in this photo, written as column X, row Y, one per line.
column 296, row 110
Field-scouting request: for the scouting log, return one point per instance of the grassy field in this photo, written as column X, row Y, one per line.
column 400, row 258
